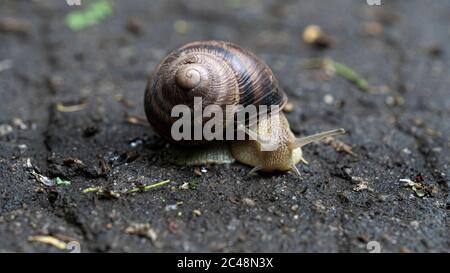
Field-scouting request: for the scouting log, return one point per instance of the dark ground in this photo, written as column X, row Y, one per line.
column 401, row 131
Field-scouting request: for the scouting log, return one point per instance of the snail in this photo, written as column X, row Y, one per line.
column 230, row 78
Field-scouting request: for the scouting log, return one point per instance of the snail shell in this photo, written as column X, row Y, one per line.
column 221, row 73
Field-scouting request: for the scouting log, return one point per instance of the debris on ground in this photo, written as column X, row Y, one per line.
column 14, row 25
column 49, row 240
column 192, row 185
column 61, row 182
column 5, row 129
column 373, row 28
column 196, row 212
column 6, row 64
column 136, row 120
column 144, row 188
column 116, row 194
column 248, row 202
column 19, row 123
column 197, row 171
column 314, row 35
column 339, row 146
column 420, row 189
column 143, row 230
column 102, row 192
column 335, row 68
column 93, row 14
column 181, row 26
column 124, row 101
column 134, row 26
column 72, row 107
column 288, row 107
column 42, row 179
column 185, row 186
column 123, row 158
column 362, row 185
column 173, row 206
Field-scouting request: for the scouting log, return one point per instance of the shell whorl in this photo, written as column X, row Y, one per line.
column 189, row 76
column 221, row 73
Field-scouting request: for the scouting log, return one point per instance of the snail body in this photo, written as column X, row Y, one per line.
column 226, row 76
column 286, row 153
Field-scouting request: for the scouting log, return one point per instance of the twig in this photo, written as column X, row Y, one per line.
column 339, row 69
column 100, row 190
column 148, row 187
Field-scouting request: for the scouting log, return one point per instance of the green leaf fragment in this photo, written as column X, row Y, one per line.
column 339, row 69
column 93, row 14
column 92, row 189
column 346, row 72
column 61, row 182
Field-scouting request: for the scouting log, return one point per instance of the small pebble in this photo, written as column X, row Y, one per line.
column 18, row 122
column 196, row 212
column 314, row 35
column 373, row 29
column 185, row 186
column 249, row 202
column 134, row 26
column 294, row 207
column 328, row 99
column 197, row 171
column 288, row 107
column 414, row 224
column 5, row 129
column 181, row 26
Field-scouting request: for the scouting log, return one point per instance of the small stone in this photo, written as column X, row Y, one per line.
column 249, row 202
column 373, row 29
column 18, row 122
column 294, row 207
column 404, row 249
column 5, row 129
column 196, row 212
column 288, row 107
column 197, row 171
column 181, row 26
column 415, row 224
column 143, row 230
column 134, row 26
column 328, row 99
column 22, row 146
column 14, row 25
column 319, row 206
column 314, row 35
column 171, row 207
column 185, row 186
column 28, row 164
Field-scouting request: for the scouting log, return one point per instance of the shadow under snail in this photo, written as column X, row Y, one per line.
column 224, row 74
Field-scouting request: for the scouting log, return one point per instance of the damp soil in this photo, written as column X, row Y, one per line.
column 72, row 110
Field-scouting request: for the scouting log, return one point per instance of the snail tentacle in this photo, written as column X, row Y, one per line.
column 302, row 141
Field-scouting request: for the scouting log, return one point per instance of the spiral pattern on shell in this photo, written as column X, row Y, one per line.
column 221, row 73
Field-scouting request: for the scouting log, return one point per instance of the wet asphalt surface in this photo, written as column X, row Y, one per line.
column 71, row 107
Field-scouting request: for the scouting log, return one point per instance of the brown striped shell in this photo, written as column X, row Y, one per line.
column 221, row 73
